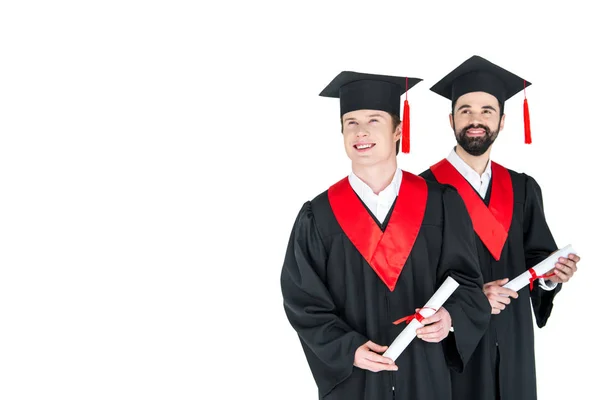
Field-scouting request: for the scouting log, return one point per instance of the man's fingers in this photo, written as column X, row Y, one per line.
column 572, row 264
column 495, row 299
column 495, row 288
column 433, row 333
column 508, row 292
column 429, row 329
column 566, row 269
column 376, row 347
column 574, row 257
column 568, row 262
column 561, row 275
column 499, row 290
column 498, row 305
column 501, row 299
column 433, row 337
column 370, row 360
column 430, row 320
column 378, row 358
column 499, row 282
column 376, row 367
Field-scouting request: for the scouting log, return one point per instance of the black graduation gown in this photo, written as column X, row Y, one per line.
column 510, row 335
column 336, row 302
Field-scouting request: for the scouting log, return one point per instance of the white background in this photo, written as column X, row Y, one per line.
column 154, row 155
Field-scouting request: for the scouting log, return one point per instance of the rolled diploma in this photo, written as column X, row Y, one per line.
column 408, row 334
column 540, row 269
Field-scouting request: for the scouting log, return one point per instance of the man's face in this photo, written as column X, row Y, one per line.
column 369, row 136
column 476, row 122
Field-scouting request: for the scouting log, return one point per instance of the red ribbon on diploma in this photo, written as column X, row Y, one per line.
column 416, row 316
column 534, row 276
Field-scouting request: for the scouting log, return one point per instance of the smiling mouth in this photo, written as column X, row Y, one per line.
column 364, row 146
column 476, row 132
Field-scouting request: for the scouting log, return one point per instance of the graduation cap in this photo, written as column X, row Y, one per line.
column 479, row 75
column 358, row 91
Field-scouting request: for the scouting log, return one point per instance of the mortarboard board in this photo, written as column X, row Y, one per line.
column 480, row 75
column 358, row 91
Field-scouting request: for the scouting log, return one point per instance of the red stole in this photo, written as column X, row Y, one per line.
column 387, row 251
column 490, row 223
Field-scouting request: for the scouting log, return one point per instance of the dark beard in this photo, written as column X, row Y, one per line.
column 476, row 146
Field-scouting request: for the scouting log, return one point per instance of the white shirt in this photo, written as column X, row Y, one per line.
column 381, row 204
column 481, row 184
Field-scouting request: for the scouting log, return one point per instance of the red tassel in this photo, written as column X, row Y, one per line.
column 406, row 127
column 526, row 121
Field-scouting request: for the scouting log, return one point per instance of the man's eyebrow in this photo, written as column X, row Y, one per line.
column 488, row 108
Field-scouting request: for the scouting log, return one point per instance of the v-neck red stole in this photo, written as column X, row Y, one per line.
column 385, row 251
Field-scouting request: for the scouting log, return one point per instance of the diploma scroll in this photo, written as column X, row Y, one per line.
column 547, row 265
column 410, row 332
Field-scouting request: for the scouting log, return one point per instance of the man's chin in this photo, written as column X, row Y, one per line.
column 474, row 147
column 475, row 150
column 475, row 153
column 366, row 160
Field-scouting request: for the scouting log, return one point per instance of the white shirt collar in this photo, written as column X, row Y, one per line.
column 380, row 204
column 480, row 183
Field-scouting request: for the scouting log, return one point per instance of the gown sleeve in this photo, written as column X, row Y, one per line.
column 328, row 342
column 468, row 306
column 538, row 244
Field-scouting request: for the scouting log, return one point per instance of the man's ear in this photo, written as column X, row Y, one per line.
column 398, row 132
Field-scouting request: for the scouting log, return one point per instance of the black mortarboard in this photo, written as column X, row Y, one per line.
column 358, row 91
column 479, row 75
